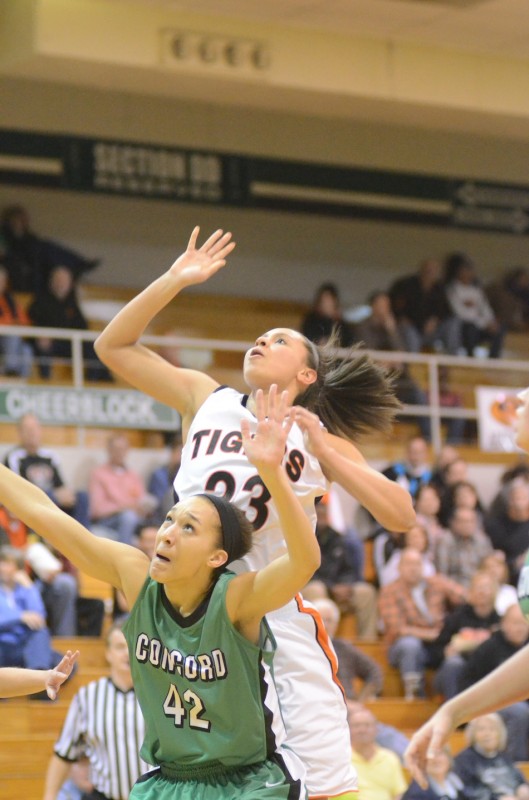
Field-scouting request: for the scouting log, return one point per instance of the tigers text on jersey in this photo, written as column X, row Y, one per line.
column 213, row 460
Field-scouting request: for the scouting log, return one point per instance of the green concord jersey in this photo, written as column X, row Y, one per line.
column 205, row 691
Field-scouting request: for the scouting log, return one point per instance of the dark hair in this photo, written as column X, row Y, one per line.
column 326, row 288
column 454, row 263
column 235, row 529
column 353, row 394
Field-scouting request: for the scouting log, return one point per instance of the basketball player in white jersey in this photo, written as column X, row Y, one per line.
column 348, row 396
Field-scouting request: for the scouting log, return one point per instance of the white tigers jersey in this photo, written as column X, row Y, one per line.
column 213, row 460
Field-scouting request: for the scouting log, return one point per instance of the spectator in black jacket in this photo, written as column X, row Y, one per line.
column 504, row 643
column 338, row 578
column 326, row 316
column 422, row 310
column 487, row 773
column 443, row 783
column 58, row 307
column 463, row 630
column 508, row 525
column 29, row 258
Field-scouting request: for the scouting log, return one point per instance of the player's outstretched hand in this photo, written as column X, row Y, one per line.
column 265, row 448
column 427, row 743
column 197, row 264
column 61, row 673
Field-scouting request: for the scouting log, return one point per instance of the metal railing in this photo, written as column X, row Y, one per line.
column 433, row 363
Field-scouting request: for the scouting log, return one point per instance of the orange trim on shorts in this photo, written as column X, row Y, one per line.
column 322, row 637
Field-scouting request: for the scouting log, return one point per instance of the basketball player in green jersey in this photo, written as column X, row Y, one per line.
column 15, row 681
column 199, row 648
column 507, row 684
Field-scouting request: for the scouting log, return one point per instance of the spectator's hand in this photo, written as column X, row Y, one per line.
column 64, row 496
column 196, row 265
column 22, row 578
column 62, row 672
column 33, row 620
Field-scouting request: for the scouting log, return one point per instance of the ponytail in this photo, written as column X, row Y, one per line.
column 352, row 395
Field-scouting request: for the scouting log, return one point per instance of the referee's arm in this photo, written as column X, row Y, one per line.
column 56, row 775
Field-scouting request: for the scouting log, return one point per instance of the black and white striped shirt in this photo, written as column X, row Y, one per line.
column 105, row 725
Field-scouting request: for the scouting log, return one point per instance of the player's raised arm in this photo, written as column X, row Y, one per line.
column 118, row 345
column 342, row 463
column 279, row 582
column 118, row 564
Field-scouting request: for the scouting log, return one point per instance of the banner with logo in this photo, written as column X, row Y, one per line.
column 496, row 418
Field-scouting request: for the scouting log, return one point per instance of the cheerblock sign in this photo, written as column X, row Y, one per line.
column 496, row 418
column 91, row 408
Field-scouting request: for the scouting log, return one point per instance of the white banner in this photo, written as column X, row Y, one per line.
column 496, row 418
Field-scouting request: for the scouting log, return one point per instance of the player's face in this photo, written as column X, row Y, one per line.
column 187, row 543
column 522, row 421
column 279, row 356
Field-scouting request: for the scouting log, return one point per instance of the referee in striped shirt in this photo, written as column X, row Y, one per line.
column 105, row 725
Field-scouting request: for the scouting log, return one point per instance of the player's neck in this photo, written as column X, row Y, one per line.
column 185, row 598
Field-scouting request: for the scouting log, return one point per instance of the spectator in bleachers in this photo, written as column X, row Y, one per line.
column 67, row 613
column 518, row 471
column 29, row 258
column 24, row 636
column 469, row 304
column 445, row 456
column 57, row 306
column 509, row 299
column 380, row 332
column 160, row 484
column 460, row 550
column 353, row 664
column 508, row 529
column 486, row 771
column 513, row 634
column 462, row 494
column 338, row 578
column 40, row 465
column 386, row 735
column 119, row 500
column 16, row 355
column 412, row 609
column 387, row 558
column 463, row 630
column 325, row 316
column 12, row 530
column 427, row 506
column 380, row 775
column 496, row 565
column 443, row 783
column 422, row 311
column 415, row 468
column 452, row 472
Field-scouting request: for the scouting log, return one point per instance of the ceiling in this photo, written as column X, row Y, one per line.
column 491, row 26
